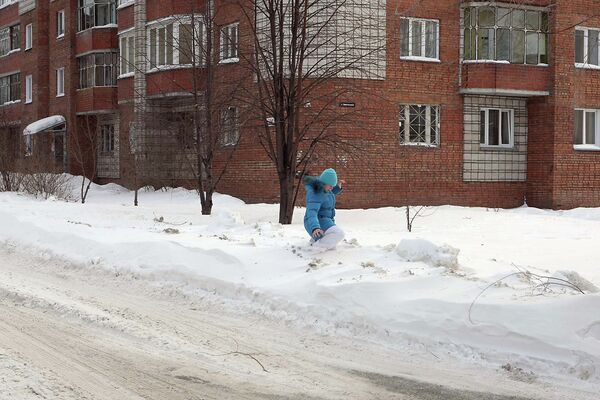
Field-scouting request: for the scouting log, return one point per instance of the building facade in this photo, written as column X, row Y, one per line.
column 469, row 103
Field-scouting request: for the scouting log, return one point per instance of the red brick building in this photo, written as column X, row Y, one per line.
column 478, row 103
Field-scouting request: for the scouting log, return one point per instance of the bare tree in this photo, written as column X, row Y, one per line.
column 301, row 48
column 86, row 147
column 194, row 136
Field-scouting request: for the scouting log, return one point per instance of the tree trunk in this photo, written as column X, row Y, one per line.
column 286, row 196
column 207, row 205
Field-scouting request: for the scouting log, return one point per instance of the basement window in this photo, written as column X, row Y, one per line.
column 419, row 125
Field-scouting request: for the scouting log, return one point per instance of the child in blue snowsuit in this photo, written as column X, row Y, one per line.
column 319, row 220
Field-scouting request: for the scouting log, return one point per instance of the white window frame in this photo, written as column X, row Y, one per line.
column 107, row 138
column 586, row 64
column 28, row 36
column 60, row 82
column 126, row 67
column 423, row 22
column 404, row 131
column 584, row 145
column 227, row 59
column 511, row 135
column 60, row 24
column 28, row 89
column 176, row 21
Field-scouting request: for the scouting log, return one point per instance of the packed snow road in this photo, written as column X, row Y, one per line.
column 70, row 332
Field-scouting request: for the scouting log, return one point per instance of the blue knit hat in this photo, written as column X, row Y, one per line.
column 329, row 177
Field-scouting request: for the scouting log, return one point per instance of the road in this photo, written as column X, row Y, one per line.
column 82, row 332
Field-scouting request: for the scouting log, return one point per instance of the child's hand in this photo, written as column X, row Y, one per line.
column 341, row 182
column 317, row 233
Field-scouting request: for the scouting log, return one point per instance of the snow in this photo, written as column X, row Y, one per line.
column 461, row 286
column 44, row 124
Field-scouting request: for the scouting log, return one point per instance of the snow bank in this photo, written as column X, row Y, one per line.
column 373, row 286
column 421, row 250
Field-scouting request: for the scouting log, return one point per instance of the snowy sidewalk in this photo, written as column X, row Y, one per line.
column 415, row 297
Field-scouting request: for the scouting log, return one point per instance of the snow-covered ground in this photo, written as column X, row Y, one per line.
column 420, row 292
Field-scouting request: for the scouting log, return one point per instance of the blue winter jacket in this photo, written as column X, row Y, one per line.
column 320, row 205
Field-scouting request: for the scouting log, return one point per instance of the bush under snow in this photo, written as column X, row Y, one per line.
column 422, row 250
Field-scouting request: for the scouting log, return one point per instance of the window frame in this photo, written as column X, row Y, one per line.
column 29, row 36
column 404, row 126
column 10, row 88
column 60, row 24
column 230, row 138
column 28, row 89
column 584, row 145
column 107, row 144
column 60, row 82
column 541, row 32
column 229, row 58
column 500, row 145
column 423, row 22
column 585, row 64
column 154, row 49
column 93, row 5
column 88, row 69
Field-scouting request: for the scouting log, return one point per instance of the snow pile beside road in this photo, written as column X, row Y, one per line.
column 382, row 283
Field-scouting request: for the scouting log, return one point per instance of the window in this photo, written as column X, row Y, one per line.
column 96, row 13
column 97, row 69
column 28, row 145
column 419, row 125
column 172, row 43
column 419, row 38
column 587, row 128
column 161, row 45
column 230, row 132
column 127, row 54
column 586, row 47
column 506, row 34
column 10, row 88
column 60, row 24
column 107, row 136
column 496, row 127
column 229, row 43
column 60, row 82
column 28, row 89
column 28, row 36
column 9, row 39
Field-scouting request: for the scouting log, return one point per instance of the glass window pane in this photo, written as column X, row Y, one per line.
column 416, row 38
column 544, row 22
column 99, row 76
column 578, row 137
column 404, row 37
column 153, row 47
column 518, row 19
column 503, row 44
column 431, row 39
column 161, row 46
column 487, row 17
column 417, row 123
column 434, row 126
column 503, row 17
column 482, row 125
column 506, row 127
column 467, row 17
column 486, row 44
column 579, row 50
column 493, row 128
column 169, row 39
column 590, row 127
column 468, row 53
column 592, row 55
column 532, row 47
column 543, row 48
column 518, row 47
column 185, row 43
column 130, row 54
column 533, row 20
